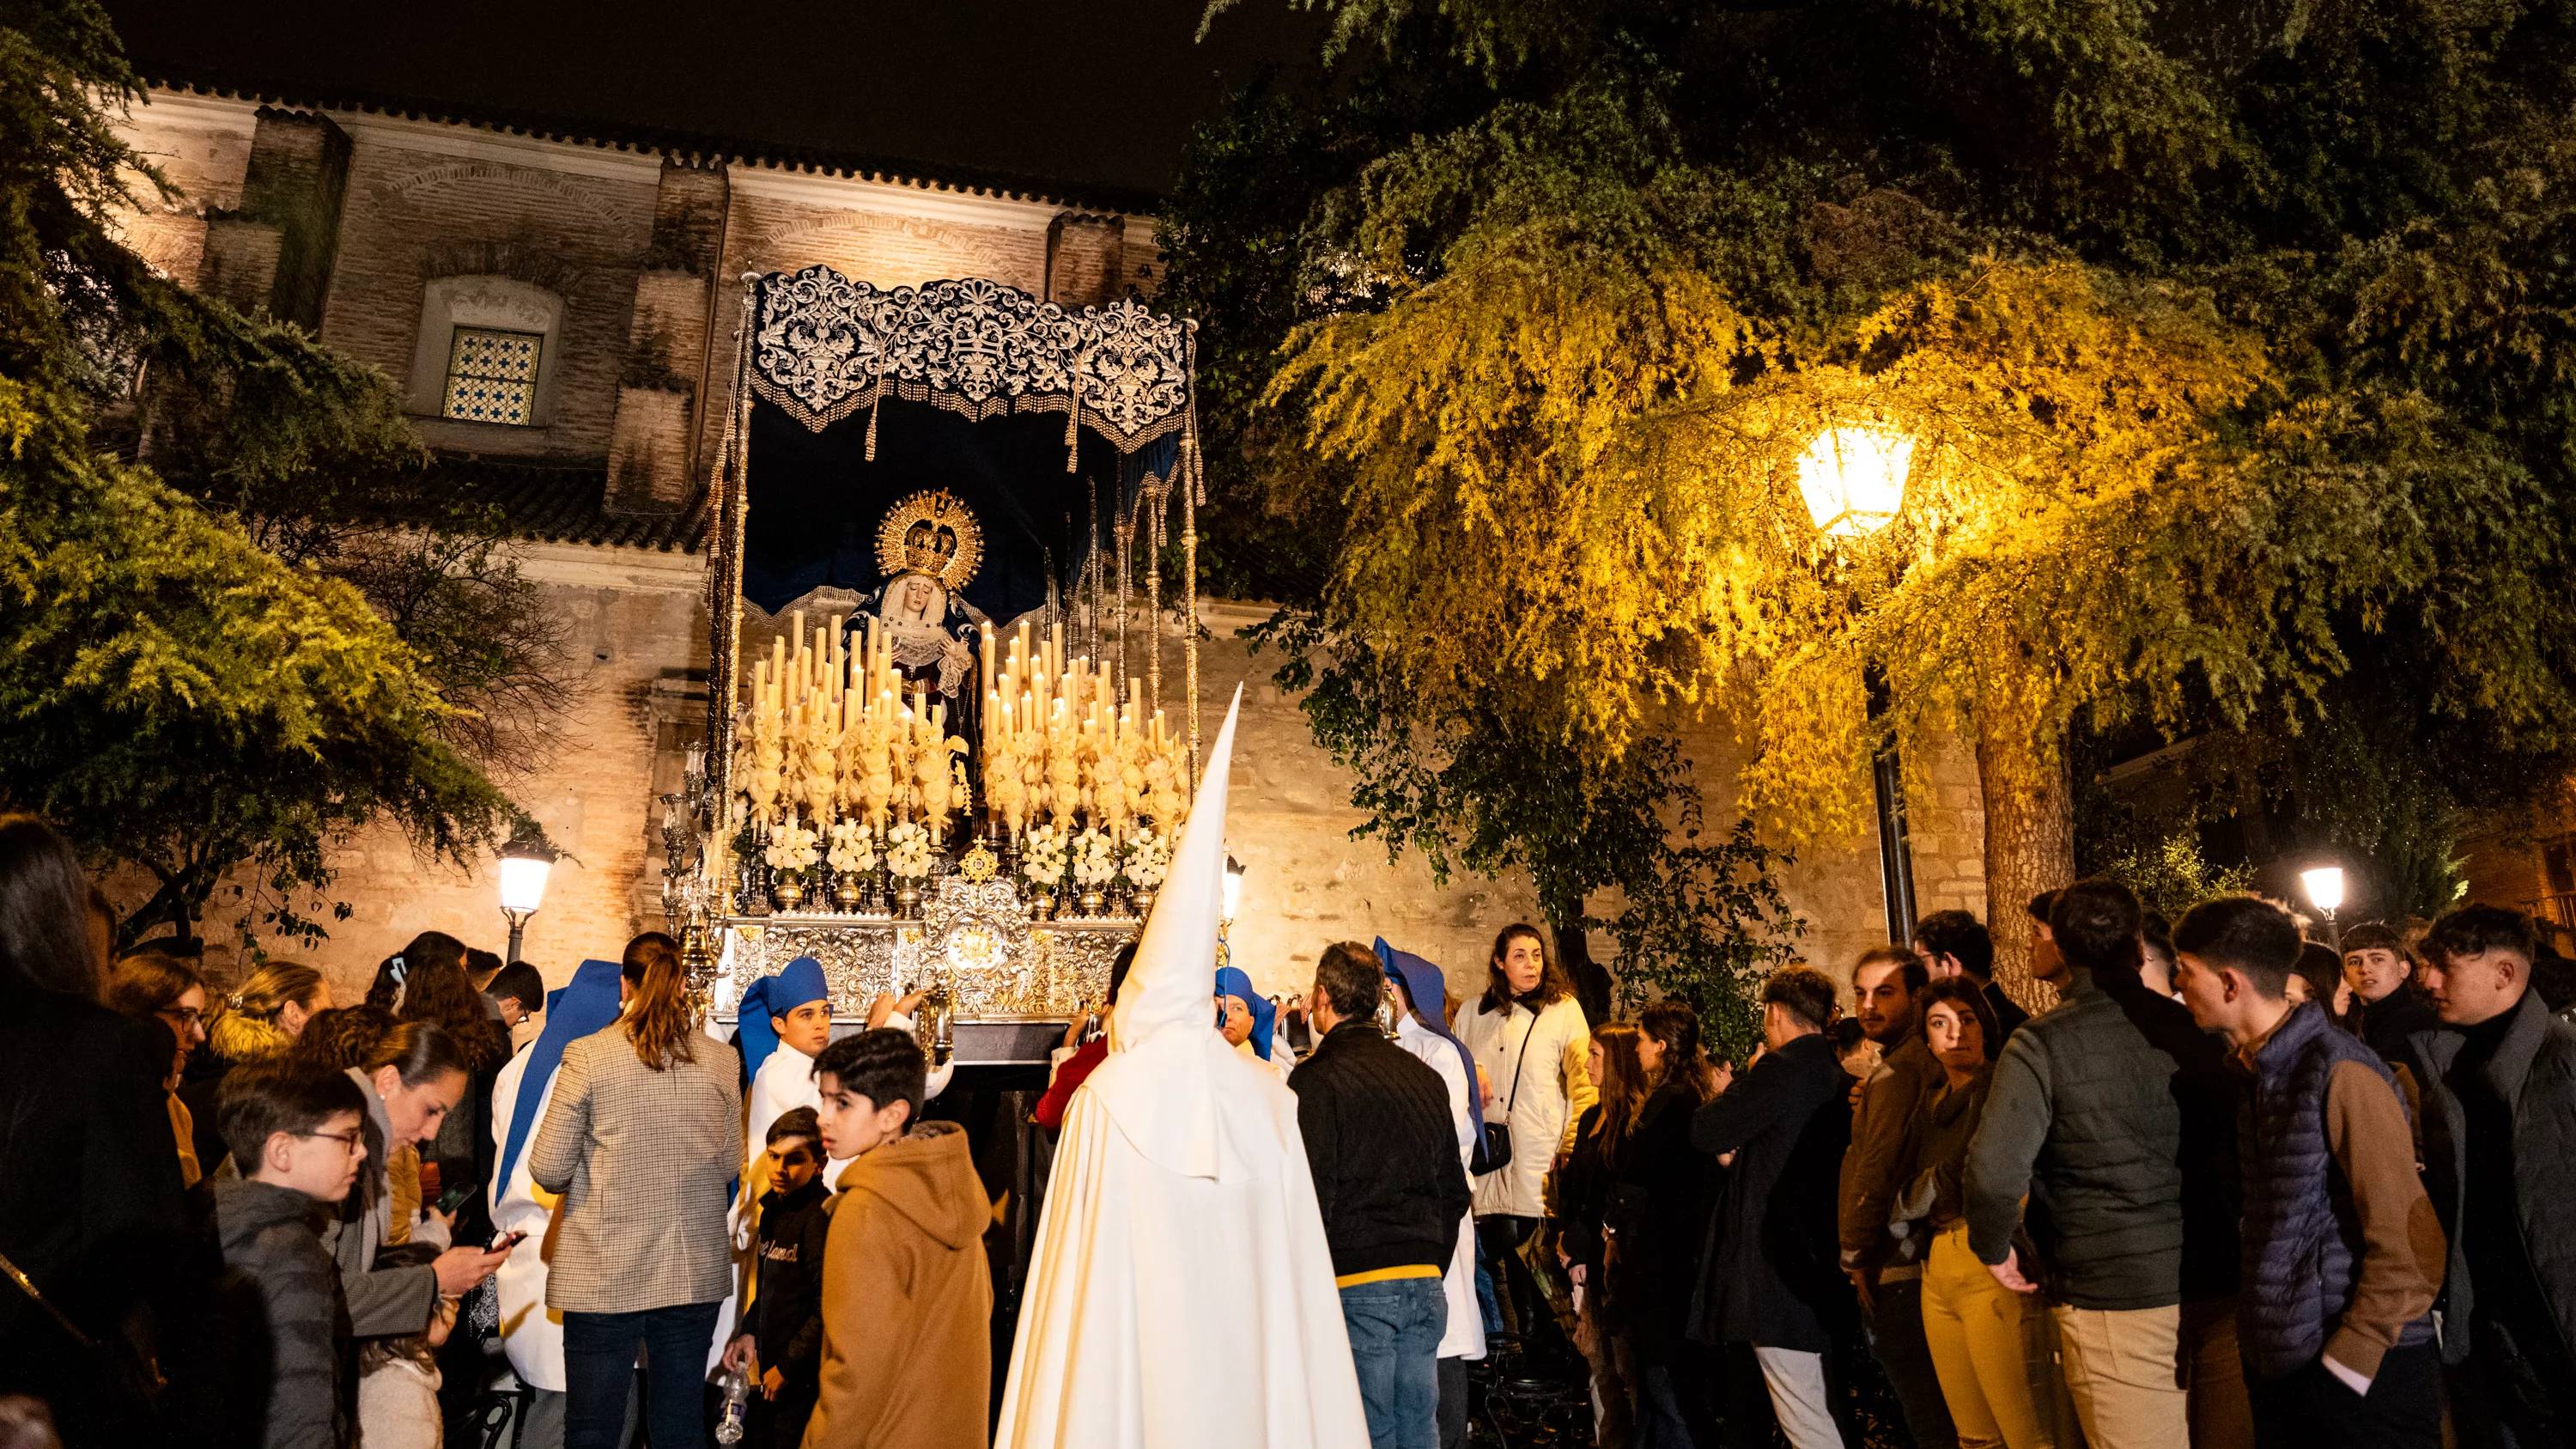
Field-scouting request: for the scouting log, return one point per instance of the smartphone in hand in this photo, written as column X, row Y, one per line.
column 505, row 1242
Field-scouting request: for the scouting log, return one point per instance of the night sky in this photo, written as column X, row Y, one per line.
column 1101, row 92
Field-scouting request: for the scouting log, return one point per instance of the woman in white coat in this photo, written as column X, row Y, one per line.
column 1528, row 1035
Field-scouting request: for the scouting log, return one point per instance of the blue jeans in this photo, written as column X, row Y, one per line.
column 599, row 1367
column 1395, row 1329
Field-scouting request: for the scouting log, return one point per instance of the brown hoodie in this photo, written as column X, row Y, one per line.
column 907, row 1301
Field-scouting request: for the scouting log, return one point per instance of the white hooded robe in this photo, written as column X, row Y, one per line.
column 1180, row 1293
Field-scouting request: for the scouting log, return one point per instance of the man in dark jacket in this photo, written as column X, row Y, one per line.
column 2499, row 1083
column 1881, row 1159
column 2081, row 1118
column 1384, row 1155
column 2383, row 988
column 1772, row 1280
column 1954, row 943
column 780, row 1337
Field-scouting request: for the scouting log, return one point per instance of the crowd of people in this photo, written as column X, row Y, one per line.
column 2230, row 1188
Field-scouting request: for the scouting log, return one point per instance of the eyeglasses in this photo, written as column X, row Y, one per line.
column 182, row 1017
column 351, row 1141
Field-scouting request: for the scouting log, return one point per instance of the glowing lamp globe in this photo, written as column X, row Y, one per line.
column 523, row 884
column 1854, row 479
column 2324, row 886
column 1233, row 888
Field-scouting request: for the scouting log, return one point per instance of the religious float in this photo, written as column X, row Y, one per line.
column 939, row 754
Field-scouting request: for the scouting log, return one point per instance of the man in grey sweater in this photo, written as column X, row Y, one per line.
column 2082, row 1119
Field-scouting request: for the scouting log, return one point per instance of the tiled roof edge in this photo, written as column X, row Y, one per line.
column 680, row 147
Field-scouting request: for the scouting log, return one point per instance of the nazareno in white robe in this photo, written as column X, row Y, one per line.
column 1185, row 1305
column 1180, row 1292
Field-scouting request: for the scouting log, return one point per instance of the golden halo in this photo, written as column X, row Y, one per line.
column 931, row 533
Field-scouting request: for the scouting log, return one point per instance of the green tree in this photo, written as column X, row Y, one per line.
column 178, row 697
column 2210, row 383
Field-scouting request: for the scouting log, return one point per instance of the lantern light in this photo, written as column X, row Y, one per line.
column 1233, row 888
column 2325, row 887
column 1854, row 479
column 525, row 863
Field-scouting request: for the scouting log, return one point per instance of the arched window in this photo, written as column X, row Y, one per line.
column 487, row 351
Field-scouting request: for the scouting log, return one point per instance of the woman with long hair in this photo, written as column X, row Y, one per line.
column 642, row 1139
column 435, row 988
column 150, row 985
column 1585, row 1188
column 45, row 940
column 1528, row 1036
column 1972, row 1323
column 90, row 1203
column 414, row 1077
column 1665, row 1192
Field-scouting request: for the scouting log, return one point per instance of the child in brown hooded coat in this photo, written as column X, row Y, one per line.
column 907, row 1299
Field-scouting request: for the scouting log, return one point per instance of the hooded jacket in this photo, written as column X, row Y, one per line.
column 289, row 1322
column 907, row 1300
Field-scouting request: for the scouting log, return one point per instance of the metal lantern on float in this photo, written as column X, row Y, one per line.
column 2325, row 891
column 1233, row 898
column 525, row 865
column 1854, row 479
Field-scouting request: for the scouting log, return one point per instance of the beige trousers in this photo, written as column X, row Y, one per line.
column 2124, row 1369
column 1974, row 1326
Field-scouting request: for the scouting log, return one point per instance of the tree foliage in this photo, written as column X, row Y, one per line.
column 2234, row 343
column 178, row 697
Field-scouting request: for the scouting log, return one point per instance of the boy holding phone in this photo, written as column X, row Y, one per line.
column 780, row 1346
column 297, row 1135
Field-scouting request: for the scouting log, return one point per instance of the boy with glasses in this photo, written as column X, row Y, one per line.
column 297, row 1135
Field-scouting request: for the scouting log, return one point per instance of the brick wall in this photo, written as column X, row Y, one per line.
column 414, row 213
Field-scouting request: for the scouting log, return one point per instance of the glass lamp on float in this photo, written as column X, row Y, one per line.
column 525, row 863
column 1226, row 909
column 1853, row 481
column 2325, row 892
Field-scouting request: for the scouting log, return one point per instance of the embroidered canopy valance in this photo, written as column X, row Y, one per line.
column 824, row 347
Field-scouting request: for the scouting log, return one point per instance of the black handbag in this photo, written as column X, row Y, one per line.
column 1494, row 1149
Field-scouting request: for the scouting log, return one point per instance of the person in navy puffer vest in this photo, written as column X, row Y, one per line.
column 2342, row 1250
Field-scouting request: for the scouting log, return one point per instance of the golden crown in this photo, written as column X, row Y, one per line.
column 931, row 533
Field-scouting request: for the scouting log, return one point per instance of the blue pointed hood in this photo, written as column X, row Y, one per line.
column 1429, row 991
column 587, row 1005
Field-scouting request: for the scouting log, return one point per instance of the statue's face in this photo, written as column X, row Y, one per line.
column 916, row 595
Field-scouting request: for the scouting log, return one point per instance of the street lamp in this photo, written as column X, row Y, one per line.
column 1854, row 479
column 524, row 866
column 1854, row 482
column 2325, row 891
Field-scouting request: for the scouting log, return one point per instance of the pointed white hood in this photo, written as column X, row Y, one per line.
column 1169, row 983
column 1187, row 1101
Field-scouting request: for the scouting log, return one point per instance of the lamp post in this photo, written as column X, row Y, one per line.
column 2325, row 891
column 1853, row 480
column 524, row 866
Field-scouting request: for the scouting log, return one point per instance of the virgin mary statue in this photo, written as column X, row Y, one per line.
column 929, row 547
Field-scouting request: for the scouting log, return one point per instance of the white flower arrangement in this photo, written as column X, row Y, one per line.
column 1149, row 860
column 1095, row 860
column 791, row 847
column 853, row 851
column 1042, row 857
column 908, row 851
